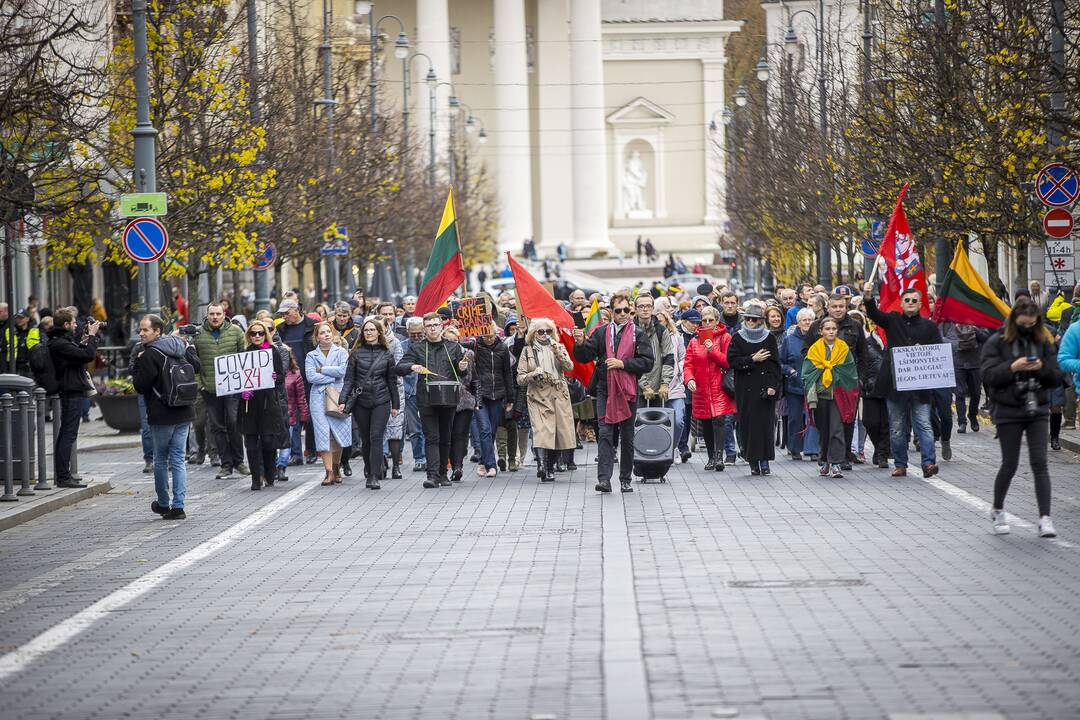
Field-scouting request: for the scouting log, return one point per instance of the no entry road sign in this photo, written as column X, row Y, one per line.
column 1057, row 185
column 1058, row 223
column 145, row 240
column 265, row 257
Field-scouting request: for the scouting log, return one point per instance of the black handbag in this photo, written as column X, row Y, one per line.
column 728, row 383
column 442, row 393
column 577, row 390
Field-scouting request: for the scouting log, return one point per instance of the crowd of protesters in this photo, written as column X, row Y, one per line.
column 805, row 372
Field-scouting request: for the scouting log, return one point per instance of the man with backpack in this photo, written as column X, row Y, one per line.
column 164, row 372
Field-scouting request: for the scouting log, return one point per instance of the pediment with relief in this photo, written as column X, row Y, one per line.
column 640, row 112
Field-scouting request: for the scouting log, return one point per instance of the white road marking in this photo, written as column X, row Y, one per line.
column 56, row 636
column 979, row 504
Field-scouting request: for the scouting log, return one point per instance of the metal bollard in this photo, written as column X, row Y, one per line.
column 22, row 400
column 42, row 449
column 9, row 470
column 55, row 401
column 75, row 460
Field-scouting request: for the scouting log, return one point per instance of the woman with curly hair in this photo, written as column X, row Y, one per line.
column 541, row 369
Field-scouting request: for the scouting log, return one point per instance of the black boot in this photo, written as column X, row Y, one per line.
column 625, row 486
column 549, row 465
column 711, row 463
column 346, row 470
column 719, row 463
column 603, row 486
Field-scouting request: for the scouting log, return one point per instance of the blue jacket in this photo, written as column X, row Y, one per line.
column 1069, row 352
column 791, row 359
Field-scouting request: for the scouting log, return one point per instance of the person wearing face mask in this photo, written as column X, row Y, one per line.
column 1020, row 366
column 220, row 337
column 911, row 407
column 540, row 368
column 831, row 380
column 753, row 356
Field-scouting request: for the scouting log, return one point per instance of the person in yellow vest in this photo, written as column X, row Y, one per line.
column 26, row 337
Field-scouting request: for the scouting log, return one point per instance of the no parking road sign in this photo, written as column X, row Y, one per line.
column 265, row 256
column 1057, row 185
column 145, row 240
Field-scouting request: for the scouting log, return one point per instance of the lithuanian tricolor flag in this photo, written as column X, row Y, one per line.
column 593, row 318
column 966, row 298
column 445, row 270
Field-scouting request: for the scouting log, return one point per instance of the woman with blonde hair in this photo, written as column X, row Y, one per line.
column 324, row 368
column 261, row 417
column 541, row 369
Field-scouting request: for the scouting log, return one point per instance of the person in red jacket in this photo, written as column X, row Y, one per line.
column 703, row 371
column 298, row 413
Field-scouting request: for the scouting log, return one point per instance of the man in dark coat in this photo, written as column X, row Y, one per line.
column 911, row 407
column 168, row 424
column 603, row 346
column 70, row 354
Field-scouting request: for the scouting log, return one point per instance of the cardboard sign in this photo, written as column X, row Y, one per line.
column 923, row 367
column 472, row 316
column 235, row 373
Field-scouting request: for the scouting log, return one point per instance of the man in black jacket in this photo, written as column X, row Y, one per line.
column 615, row 400
column 69, row 357
column 168, row 424
column 493, row 383
column 911, row 407
column 851, row 332
column 438, row 361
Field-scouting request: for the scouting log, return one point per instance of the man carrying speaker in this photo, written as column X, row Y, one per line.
column 623, row 353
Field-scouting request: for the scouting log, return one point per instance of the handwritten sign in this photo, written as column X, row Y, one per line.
column 235, row 373
column 923, row 367
column 473, row 318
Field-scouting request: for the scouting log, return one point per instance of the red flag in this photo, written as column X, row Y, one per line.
column 535, row 301
column 903, row 267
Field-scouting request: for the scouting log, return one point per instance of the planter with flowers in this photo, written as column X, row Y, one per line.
column 119, row 405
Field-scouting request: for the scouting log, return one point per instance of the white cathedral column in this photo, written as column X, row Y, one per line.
column 587, row 121
column 555, row 223
column 715, row 141
column 433, row 39
column 513, row 160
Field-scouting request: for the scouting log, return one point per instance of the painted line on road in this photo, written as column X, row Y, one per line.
column 626, row 688
column 979, row 504
column 56, row 636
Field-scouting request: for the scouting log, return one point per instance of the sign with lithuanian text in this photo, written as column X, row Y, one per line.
column 472, row 316
column 923, row 367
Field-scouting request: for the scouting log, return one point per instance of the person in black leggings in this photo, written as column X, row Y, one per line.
column 1020, row 367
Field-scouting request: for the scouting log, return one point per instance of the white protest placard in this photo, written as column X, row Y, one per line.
column 923, row 367
column 238, row 372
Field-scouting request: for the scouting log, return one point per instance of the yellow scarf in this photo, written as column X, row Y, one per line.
column 816, row 355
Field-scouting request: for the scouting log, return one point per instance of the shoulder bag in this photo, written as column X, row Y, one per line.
column 442, row 393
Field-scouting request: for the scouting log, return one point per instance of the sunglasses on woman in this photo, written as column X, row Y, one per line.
column 543, row 332
column 257, row 333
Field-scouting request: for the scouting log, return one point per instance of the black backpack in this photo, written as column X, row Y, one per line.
column 41, row 365
column 967, row 339
column 177, row 380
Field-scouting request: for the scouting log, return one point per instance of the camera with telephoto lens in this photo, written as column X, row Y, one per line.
column 1030, row 389
column 191, row 330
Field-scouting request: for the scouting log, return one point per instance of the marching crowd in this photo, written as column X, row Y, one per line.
column 805, row 371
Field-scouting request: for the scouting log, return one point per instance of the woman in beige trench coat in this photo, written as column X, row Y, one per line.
column 540, row 369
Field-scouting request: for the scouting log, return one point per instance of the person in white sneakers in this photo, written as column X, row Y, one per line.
column 1019, row 366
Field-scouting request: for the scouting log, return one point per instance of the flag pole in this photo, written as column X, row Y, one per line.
column 457, row 238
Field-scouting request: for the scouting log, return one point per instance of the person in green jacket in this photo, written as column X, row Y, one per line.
column 219, row 337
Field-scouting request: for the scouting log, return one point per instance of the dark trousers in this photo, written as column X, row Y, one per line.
column 831, row 431
column 371, row 428
column 796, row 421
column 875, row 418
column 262, row 456
column 941, row 415
column 1009, row 436
column 221, row 412
column 438, row 424
column 309, row 428
column 459, row 437
column 70, row 417
column 606, row 463
column 712, row 429
column 968, row 390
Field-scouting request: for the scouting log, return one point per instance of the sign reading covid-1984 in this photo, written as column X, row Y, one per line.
column 235, row 373
column 923, row 367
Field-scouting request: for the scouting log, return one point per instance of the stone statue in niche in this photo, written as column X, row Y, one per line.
column 634, row 180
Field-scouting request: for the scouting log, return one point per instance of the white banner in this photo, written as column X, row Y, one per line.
column 238, row 372
column 923, row 367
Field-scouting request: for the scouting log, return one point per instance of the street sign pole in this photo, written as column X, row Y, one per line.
column 145, row 137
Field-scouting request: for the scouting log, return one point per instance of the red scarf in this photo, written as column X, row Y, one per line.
column 621, row 385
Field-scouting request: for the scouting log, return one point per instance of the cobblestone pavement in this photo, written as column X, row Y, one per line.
column 712, row 595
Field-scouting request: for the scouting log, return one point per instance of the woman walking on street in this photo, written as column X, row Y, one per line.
column 831, row 380
column 540, row 367
column 1020, row 367
column 463, row 414
column 704, row 368
column 261, row 417
column 370, row 395
column 325, row 370
column 754, row 358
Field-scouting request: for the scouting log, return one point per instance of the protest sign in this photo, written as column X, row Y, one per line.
column 472, row 316
column 238, row 372
column 923, row 367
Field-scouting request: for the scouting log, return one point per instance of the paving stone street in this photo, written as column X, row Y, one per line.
column 712, row 595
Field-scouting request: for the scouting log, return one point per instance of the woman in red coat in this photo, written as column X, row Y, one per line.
column 704, row 368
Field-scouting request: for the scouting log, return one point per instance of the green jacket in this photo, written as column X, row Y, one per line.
column 230, row 340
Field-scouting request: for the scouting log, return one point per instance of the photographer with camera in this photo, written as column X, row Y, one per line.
column 70, row 353
column 1020, row 367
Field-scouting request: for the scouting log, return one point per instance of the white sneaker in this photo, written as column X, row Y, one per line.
column 1001, row 525
column 492, row 472
column 1046, row 527
column 481, row 470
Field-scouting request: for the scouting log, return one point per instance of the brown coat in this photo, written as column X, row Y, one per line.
column 550, row 413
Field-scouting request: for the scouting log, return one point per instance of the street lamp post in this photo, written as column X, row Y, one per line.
column 431, row 79
column 791, row 40
column 262, row 281
column 401, row 52
column 145, row 135
column 328, row 103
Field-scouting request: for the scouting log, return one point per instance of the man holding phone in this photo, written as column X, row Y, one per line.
column 70, row 354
